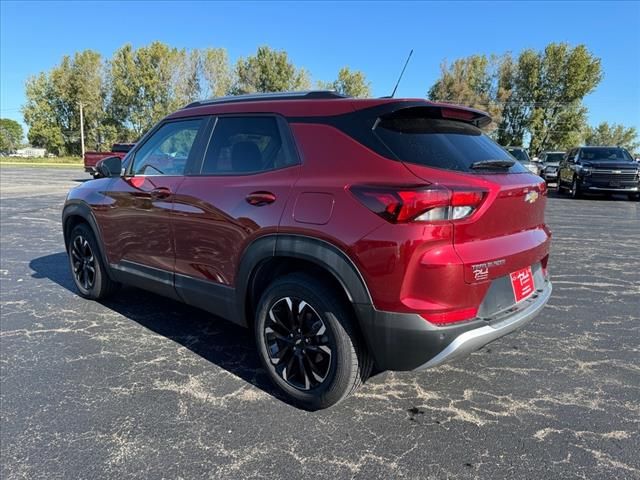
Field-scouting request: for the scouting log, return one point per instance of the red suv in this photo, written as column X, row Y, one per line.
column 346, row 233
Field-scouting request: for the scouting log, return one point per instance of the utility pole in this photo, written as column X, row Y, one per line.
column 81, row 130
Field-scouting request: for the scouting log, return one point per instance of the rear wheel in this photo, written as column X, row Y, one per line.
column 87, row 268
column 307, row 342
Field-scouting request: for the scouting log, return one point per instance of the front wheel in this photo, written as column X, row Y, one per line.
column 87, row 268
column 307, row 342
column 575, row 188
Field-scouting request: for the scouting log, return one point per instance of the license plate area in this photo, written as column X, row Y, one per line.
column 522, row 284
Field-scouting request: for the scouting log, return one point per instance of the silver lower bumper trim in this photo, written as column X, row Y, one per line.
column 614, row 189
column 472, row 340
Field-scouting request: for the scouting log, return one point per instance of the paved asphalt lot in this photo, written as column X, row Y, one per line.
column 141, row 386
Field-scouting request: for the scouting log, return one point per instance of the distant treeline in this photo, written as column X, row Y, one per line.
column 125, row 95
column 535, row 98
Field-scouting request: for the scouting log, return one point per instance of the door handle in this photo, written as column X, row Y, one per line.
column 160, row 192
column 258, row 199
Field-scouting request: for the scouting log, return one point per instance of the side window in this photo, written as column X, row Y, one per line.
column 166, row 152
column 241, row 145
column 570, row 156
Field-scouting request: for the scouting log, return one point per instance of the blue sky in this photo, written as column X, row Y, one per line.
column 322, row 37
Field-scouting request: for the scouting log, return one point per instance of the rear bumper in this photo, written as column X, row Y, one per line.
column 408, row 342
column 472, row 340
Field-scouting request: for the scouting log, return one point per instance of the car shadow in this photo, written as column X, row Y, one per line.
column 218, row 341
column 616, row 197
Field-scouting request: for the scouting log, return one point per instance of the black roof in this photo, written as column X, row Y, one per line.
column 256, row 97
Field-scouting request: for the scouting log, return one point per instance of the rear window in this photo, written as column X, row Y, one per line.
column 519, row 154
column 121, row 147
column 605, row 154
column 554, row 157
column 439, row 143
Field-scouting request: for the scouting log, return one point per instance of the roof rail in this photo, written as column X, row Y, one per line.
column 256, row 97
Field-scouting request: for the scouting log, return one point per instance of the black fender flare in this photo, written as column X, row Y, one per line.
column 314, row 250
column 77, row 208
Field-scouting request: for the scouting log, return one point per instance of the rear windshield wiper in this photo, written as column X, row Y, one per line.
column 491, row 164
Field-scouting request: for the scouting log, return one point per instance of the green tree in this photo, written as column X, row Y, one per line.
column 350, row 83
column 86, row 87
column 143, row 86
column 216, row 72
column 268, row 71
column 518, row 80
column 52, row 110
column 565, row 76
column 187, row 77
column 613, row 134
column 10, row 135
column 41, row 115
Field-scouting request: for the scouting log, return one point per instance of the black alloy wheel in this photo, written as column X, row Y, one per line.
column 83, row 262
column 307, row 340
column 298, row 343
column 87, row 268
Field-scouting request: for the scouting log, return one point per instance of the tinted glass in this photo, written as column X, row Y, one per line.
column 553, row 157
column 439, row 143
column 166, row 152
column 241, row 145
column 605, row 154
column 519, row 154
column 121, row 147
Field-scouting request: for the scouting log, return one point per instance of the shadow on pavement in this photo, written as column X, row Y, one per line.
column 617, row 197
column 229, row 346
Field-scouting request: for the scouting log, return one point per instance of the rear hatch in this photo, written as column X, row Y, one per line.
column 506, row 231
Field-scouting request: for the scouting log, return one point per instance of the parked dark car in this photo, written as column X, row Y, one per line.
column 345, row 233
column 599, row 170
column 522, row 156
column 549, row 165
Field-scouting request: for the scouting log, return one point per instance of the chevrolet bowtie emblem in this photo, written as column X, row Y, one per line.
column 531, row 197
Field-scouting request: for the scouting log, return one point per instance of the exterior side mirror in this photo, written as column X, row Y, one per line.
column 109, row 167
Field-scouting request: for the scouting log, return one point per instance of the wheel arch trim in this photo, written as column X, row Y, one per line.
column 77, row 208
column 316, row 251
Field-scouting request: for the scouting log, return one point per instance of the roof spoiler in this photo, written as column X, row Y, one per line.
column 466, row 114
column 448, row 111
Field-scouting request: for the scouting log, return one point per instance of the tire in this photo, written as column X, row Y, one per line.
column 316, row 379
column 634, row 196
column 575, row 189
column 87, row 269
column 560, row 188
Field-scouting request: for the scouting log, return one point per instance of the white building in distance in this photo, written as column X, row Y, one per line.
column 30, row 152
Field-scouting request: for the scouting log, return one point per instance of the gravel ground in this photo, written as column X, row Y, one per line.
column 145, row 387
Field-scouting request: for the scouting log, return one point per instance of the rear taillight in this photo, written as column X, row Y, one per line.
column 429, row 203
column 543, row 188
column 451, row 317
